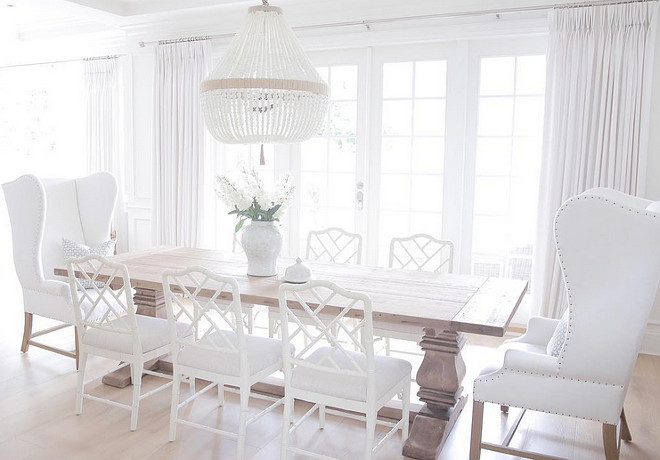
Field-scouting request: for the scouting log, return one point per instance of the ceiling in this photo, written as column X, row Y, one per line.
column 118, row 24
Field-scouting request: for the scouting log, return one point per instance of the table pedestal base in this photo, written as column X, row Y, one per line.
column 440, row 376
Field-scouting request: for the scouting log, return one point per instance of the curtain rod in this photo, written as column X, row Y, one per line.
column 369, row 22
column 114, row 56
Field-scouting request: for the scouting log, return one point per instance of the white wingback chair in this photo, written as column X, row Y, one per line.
column 608, row 245
column 41, row 214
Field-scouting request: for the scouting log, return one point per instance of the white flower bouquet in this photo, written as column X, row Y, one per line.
column 249, row 198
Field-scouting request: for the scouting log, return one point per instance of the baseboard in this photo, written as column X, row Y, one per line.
column 651, row 343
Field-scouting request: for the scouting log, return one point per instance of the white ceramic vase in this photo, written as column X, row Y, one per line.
column 262, row 243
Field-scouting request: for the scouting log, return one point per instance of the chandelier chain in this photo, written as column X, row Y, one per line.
column 265, row 2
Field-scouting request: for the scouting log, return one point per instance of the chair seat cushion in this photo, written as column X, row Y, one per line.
column 154, row 333
column 389, row 371
column 262, row 353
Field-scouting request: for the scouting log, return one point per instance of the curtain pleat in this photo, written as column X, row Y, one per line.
column 596, row 121
column 178, row 196
column 103, row 136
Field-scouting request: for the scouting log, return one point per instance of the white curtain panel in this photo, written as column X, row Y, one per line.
column 179, row 139
column 103, row 136
column 599, row 75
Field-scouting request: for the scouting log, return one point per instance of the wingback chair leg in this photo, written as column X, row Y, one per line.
column 477, row 427
column 610, row 442
column 625, row 431
column 27, row 332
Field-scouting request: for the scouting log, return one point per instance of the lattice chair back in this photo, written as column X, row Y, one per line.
column 210, row 304
column 334, row 245
column 318, row 310
column 422, row 252
column 102, row 298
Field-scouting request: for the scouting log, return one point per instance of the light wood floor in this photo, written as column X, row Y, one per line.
column 38, row 421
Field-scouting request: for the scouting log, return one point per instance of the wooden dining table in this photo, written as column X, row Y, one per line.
column 442, row 307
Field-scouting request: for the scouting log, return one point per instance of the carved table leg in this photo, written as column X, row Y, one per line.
column 148, row 303
column 440, row 378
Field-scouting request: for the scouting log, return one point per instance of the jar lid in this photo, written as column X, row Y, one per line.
column 298, row 273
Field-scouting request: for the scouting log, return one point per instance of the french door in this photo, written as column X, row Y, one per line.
column 439, row 138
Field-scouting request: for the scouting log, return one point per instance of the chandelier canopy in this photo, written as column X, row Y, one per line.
column 264, row 89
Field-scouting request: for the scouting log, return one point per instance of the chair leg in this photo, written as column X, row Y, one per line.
column 176, row 389
column 405, row 411
column 610, row 442
column 81, row 383
column 625, row 431
column 27, row 332
column 250, row 320
column 77, row 347
column 371, row 434
column 136, row 377
column 504, row 409
column 322, row 416
column 388, row 346
column 477, row 427
column 242, row 420
column 286, row 425
column 221, row 394
column 272, row 324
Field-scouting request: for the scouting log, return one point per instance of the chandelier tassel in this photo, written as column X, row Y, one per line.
column 262, row 159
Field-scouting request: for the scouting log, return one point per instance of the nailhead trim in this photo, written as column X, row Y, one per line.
column 563, row 267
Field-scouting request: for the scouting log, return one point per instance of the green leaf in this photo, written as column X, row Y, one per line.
column 239, row 225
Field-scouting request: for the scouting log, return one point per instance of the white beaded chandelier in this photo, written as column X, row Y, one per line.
column 264, row 89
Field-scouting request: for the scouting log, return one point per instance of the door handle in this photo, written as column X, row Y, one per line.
column 359, row 195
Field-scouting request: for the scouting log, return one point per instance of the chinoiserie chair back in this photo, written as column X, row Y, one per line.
column 610, row 258
column 321, row 314
column 334, row 245
column 210, row 305
column 102, row 300
column 422, row 252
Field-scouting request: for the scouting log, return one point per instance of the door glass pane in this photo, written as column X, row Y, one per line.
column 412, row 151
column 508, row 156
column 328, row 161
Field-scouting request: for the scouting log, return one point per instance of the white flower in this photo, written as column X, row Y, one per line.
column 248, row 187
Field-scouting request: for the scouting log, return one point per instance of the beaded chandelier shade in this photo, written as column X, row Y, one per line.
column 264, row 89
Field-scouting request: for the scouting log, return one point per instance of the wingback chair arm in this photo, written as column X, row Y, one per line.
column 51, row 287
column 539, row 331
column 526, row 361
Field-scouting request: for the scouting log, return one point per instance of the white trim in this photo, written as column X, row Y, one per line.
column 651, row 341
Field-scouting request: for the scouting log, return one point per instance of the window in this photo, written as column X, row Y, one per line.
column 328, row 162
column 510, row 125
column 42, row 120
column 412, row 150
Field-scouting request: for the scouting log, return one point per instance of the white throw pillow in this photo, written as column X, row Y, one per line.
column 73, row 249
column 654, row 207
column 558, row 337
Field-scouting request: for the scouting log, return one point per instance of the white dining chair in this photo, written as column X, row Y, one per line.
column 608, row 245
column 334, row 245
column 419, row 252
column 216, row 348
column 327, row 372
column 41, row 213
column 108, row 326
